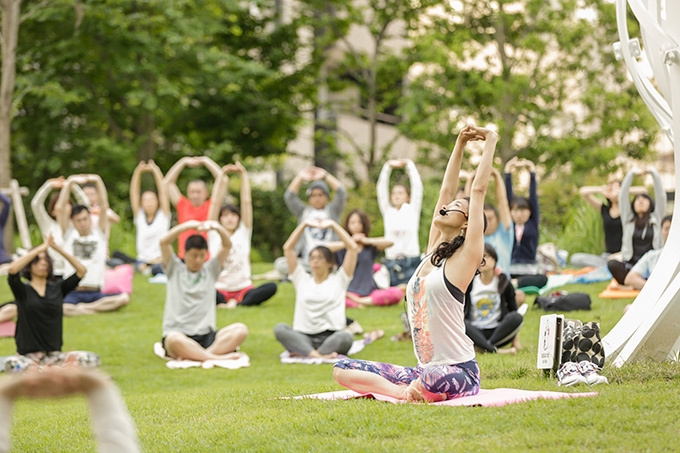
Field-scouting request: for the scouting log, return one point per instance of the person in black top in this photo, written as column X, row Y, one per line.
column 39, row 303
column 605, row 199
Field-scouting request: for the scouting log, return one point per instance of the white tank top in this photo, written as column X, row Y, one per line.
column 437, row 320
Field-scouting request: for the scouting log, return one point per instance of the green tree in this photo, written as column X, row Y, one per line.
column 543, row 72
column 108, row 83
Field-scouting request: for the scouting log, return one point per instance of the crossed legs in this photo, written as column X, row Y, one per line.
column 429, row 383
column 227, row 340
column 106, row 303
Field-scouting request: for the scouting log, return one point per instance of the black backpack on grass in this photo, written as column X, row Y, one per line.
column 562, row 301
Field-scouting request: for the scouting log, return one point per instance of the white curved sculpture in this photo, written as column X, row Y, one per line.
column 651, row 327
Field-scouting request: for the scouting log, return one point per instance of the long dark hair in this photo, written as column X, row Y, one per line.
column 365, row 223
column 642, row 221
column 26, row 271
column 446, row 249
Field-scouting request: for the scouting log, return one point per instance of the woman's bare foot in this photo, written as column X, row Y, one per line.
column 373, row 335
column 516, row 344
column 232, row 303
column 512, row 351
column 317, row 355
column 413, row 392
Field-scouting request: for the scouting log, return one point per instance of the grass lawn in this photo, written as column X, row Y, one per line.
column 223, row 410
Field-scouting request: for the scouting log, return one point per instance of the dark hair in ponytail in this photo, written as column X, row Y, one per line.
column 448, row 248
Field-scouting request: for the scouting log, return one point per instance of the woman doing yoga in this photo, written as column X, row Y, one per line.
column 447, row 367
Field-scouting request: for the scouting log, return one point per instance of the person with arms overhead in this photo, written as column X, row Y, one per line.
column 196, row 204
column 447, row 367
column 234, row 282
column 400, row 209
column 189, row 318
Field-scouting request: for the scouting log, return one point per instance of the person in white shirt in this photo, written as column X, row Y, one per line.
column 46, row 218
column 400, row 209
column 319, row 317
column 152, row 216
column 90, row 246
column 447, row 367
column 234, row 282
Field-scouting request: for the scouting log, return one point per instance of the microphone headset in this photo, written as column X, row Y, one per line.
column 444, row 211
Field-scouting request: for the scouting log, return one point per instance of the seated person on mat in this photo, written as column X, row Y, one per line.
column 319, row 318
column 234, row 282
column 400, row 209
column 638, row 275
column 641, row 223
column 447, row 367
column 40, row 303
column 363, row 290
column 46, row 218
column 491, row 318
column 151, row 213
column 189, row 331
column 90, row 245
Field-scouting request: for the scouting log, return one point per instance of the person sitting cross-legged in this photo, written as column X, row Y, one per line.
column 189, row 318
column 638, row 275
column 89, row 245
column 39, row 303
column 319, row 318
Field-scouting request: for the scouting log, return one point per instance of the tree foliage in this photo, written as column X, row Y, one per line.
column 105, row 83
column 543, row 72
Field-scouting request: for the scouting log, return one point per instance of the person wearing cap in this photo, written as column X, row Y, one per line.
column 320, row 207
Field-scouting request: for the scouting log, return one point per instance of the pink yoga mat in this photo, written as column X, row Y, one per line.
column 7, row 328
column 485, row 398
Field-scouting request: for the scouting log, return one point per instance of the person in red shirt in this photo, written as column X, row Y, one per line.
column 196, row 204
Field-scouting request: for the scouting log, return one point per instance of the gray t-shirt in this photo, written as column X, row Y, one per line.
column 190, row 298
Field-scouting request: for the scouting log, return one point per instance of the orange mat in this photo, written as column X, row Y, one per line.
column 613, row 292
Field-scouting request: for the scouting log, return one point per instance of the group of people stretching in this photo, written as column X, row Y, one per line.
column 458, row 296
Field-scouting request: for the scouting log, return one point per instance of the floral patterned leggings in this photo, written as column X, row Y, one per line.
column 455, row 381
column 85, row 359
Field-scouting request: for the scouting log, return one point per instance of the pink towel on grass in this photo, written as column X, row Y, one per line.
column 485, row 398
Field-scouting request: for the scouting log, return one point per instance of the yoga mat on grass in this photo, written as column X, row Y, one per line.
column 7, row 328
column 357, row 346
column 613, row 291
column 618, row 294
column 485, row 397
column 181, row 364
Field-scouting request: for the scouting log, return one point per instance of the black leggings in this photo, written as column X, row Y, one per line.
column 253, row 297
column 490, row 339
column 619, row 270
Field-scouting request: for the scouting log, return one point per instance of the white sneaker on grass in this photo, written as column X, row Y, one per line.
column 570, row 374
column 590, row 371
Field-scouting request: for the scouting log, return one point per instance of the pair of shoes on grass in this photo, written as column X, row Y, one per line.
column 584, row 372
